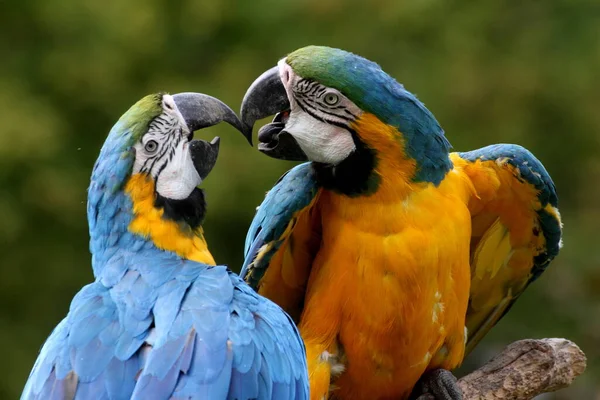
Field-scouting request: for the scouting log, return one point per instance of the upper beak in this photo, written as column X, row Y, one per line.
column 201, row 111
column 266, row 96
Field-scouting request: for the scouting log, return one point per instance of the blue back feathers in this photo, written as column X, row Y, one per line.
column 156, row 326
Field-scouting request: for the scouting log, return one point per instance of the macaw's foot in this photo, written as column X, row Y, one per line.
column 438, row 382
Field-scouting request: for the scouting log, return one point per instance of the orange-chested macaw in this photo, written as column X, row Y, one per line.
column 161, row 320
column 385, row 248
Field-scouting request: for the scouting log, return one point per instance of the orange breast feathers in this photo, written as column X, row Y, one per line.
column 378, row 284
column 388, row 291
column 387, row 294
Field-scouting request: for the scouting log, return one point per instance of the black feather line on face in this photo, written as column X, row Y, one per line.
column 322, row 108
column 188, row 212
column 171, row 139
column 154, row 159
column 322, row 89
column 162, row 167
column 311, row 98
column 307, row 108
column 354, row 176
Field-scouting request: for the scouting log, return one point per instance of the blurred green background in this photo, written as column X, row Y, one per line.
column 491, row 71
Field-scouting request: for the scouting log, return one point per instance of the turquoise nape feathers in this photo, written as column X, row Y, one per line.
column 161, row 320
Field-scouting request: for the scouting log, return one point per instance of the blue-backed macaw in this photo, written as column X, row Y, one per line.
column 385, row 248
column 161, row 320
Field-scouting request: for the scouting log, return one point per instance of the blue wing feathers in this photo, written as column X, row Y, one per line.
column 202, row 334
column 294, row 191
column 156, row 326
column 553, row 233
column 120, row 377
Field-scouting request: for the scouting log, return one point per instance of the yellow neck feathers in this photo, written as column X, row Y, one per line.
column 166, row 234
column 394, row 167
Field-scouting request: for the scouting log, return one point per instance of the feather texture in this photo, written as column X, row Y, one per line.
column 153, row 324
column 284, row 220
column 514, row 229
column 383, row 281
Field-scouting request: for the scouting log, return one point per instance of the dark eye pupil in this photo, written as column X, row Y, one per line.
column 151, row 146
column 331, row 99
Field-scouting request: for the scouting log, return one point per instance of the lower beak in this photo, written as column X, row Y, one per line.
column 202, row 111
column 204, row 155
column 275, row 142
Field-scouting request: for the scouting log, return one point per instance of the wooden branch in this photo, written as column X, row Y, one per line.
column 524, row 369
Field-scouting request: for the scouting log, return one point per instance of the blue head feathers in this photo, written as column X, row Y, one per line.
column 374, row 91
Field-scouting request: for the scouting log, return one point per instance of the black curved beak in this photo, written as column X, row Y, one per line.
column 202, row 111
column 267, row 96
column 204, row 155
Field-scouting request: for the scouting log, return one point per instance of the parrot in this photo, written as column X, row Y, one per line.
column 162, row 320
column 393, row 255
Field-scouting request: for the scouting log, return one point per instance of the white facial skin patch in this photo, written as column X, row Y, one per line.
column 179, row 178
column 315, row 118
column 164, row 154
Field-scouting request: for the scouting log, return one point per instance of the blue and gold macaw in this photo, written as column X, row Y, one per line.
column 394, row 256
column 161, row 320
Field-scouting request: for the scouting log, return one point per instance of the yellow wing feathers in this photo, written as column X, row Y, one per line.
column 492, row 253
column 508, row 240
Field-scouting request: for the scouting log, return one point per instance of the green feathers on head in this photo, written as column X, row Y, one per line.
column 334, row 68
column 135, row 121
column 117, row 156
column 370, row 88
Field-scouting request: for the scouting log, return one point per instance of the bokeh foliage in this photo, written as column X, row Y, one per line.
column 491, row 71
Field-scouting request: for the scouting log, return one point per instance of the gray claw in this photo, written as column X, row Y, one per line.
column 440, row 383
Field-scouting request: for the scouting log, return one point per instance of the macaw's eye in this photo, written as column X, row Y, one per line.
column 331, row 99
column 151, row 146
